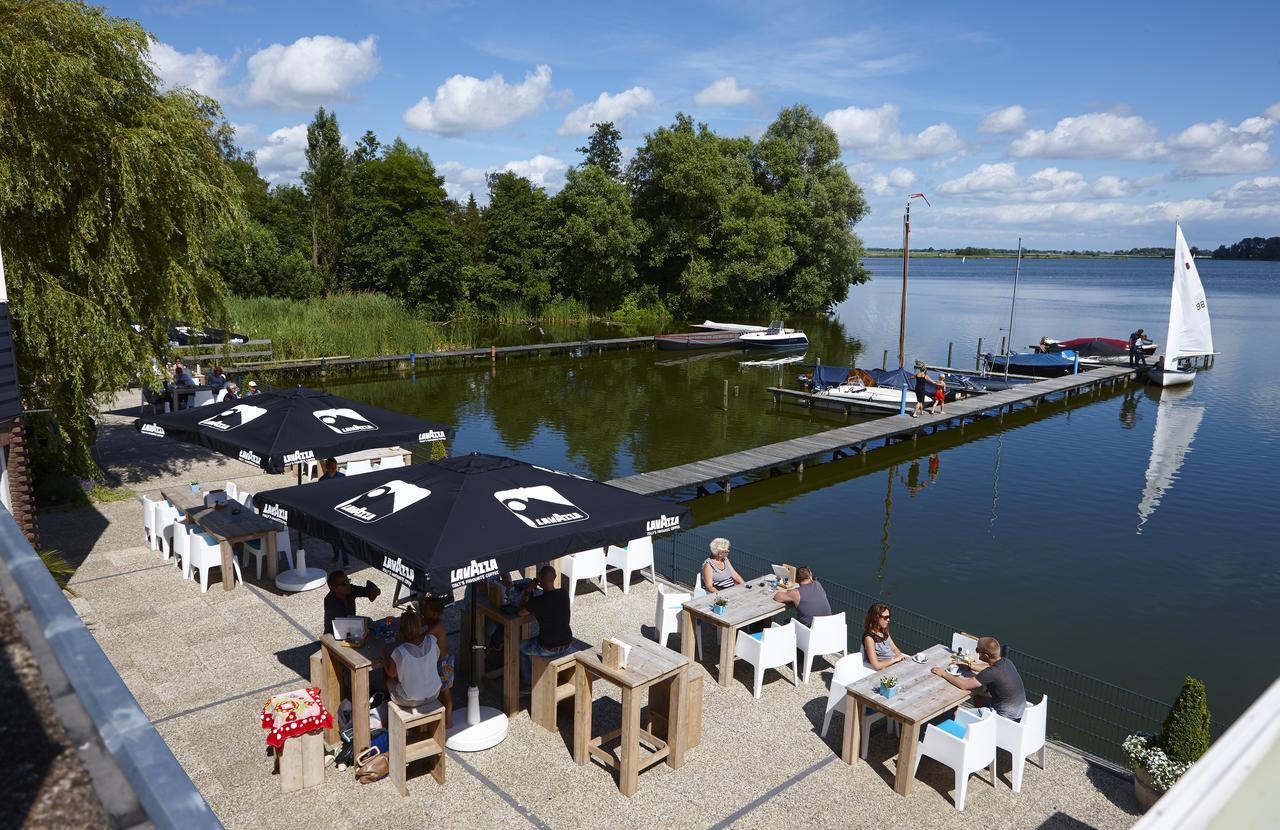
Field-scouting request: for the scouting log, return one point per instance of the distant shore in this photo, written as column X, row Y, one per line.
column 885, row 253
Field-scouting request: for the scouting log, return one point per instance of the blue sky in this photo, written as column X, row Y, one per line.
column 1087, row 125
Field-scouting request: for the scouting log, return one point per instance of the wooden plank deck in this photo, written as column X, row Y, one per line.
column 791, row 455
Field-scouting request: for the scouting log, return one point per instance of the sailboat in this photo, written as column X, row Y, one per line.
column 1176, row 425
column 1189, row 332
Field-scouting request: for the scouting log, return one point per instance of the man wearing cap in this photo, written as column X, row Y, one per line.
column 253, row 388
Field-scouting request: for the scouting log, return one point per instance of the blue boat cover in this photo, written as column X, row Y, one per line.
column 825, row 377
column 1064, row 360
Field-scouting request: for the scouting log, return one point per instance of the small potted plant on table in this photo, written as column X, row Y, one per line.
column 1160, row 760
column 719, row 605
column 888, row 685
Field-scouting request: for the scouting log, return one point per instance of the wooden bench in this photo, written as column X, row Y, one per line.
column 552, row 684
column 430, row 744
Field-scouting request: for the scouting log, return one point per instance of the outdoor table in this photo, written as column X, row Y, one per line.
column 183, row 499
column 190, row 393
column 230, row 527
column 649, row 666
column 376, row 454
column 921, row 697
column 514, row 629
column 748, row 603
column 359, row 663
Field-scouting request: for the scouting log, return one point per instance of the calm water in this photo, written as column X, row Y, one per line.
column 1031, row 532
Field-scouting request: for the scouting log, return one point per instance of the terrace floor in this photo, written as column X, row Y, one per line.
column 202, row 665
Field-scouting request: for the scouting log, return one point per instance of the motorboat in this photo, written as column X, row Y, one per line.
column 740, row 328
column 777, row 336
column 1104, row 351
column 696, row 340
column 1190, row 335
column 1038, row 364
column 882, row 386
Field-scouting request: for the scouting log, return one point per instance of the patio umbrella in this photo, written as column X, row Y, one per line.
column 291, row 426
column 455, row 522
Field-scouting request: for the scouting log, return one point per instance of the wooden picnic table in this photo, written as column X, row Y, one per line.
column 513, row 627
column 921, row 697
column 748, row 603
column 649, row 667
column 182, row 498
column 359, row 663
column 232, row 524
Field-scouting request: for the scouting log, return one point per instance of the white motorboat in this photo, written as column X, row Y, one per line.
column 1190, row 335
column 777, row 336
column 711, row 325
column 854, row 391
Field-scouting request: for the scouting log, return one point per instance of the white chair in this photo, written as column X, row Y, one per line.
column 355, row 468
column 666, row 617
column 960, row 640
column 179, row 546
column 149, row 521
column 202, row 397
column 215, row 497
column 966, row 753
column 849, row 670
column 284, row 547
column 769, row 649
column 203, row 554
column 829, row 635
column 589, row 564
column 1021, row 738
column 168, row 521
column 245, row 498
column 391, row 461
column 638, row 554
column 232, row 490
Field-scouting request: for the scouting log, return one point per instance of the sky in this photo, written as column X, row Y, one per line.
column 1073, row 126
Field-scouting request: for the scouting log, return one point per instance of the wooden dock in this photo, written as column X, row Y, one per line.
column 792, row 455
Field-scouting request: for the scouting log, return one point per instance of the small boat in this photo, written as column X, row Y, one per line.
column 777, row 336
column 1035, row 363
column 1190, row 335
column 1107, row 351
column 696, row 340
column 740, row 328
column 878, row 385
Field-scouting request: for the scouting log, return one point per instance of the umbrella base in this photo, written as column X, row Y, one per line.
column 482, row 727
column 307, row 579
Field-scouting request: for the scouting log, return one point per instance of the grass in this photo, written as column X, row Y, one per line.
column 555, row 310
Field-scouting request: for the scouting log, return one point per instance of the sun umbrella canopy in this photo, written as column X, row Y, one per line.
column 456, row 521
column 291, row 426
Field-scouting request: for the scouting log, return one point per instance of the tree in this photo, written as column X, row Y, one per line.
column 596, row 238
column 107, row 189
column 470, row 224
column 602, row 149
column 517, row 227
column 325, row 183
column 1185, row 736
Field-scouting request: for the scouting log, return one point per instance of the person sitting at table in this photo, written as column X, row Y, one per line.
column 878, row 648
column 217, row 377
column 341, row 599
column 230, row 393
column 717, row 571
column 551, row 609
column 252, row 389
column 413, row 676
column 808, row 598
column 1005, row 693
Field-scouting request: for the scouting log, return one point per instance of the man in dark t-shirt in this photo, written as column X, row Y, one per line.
column 551, row 610
column 1005, row 692
column 341, row 599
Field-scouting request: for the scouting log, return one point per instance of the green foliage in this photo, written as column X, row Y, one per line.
column 517, row 239
column 602, row 149
column 59, row 568
column 1185, row 736
column 107, row 188
column 1254, row 247
column 325, row 180
column 643, row 307
column 596, row 238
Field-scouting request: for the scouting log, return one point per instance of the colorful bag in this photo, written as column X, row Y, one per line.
column 294, row 713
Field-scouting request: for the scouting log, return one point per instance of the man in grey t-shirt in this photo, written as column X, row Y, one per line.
column 1005, row 692
column 808, row 597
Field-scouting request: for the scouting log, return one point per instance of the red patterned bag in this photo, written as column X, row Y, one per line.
column 294, row 713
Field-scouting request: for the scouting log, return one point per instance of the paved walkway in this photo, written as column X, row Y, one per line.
column 201, row 666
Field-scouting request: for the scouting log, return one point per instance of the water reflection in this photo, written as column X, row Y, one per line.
column 1177, row 421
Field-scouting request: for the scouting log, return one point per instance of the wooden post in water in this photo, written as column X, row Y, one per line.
column 1002, row 351
column 726, row 396
column 949, row 345
column 977, row 359
column 884, row 362
column 493, row 354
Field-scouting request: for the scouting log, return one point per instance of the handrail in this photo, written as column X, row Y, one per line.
column 160, row 784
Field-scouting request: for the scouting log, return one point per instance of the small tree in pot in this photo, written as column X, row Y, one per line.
column 1159, row 761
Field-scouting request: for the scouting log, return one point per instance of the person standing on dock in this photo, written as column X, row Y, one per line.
column 1136, row 355
column 940, row 396
column 922, row 394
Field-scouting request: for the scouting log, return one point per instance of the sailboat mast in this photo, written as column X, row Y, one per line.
column 902, row 316
column 1013, row 303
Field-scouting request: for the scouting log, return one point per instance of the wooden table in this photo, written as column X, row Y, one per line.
column 748, row 603
column 514, row 628
column 183, row 499
column 229, row 528
column 649, row 666
column 359, row 663
column 921, row 697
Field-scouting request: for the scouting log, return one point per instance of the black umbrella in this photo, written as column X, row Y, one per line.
column 291, row 426
column 449, row 523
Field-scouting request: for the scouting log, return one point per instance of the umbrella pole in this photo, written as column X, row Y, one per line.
column 481, row 727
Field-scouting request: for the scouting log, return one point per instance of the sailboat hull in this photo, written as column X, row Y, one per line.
column 1170, row 377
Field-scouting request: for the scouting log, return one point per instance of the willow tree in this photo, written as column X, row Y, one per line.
column 107, row 189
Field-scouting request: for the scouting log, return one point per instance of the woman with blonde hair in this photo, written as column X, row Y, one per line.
column 878, row 648
column 717, row 571
column 413, row 676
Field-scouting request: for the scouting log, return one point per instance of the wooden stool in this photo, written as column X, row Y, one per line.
column 428, row 745
column 300, row 762
column 660, row 711
column 552, row 684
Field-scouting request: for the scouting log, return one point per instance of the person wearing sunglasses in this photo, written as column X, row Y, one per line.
column 879, row 651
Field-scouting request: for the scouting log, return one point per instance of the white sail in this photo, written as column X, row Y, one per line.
column 1176, row 425
column 1189, row 332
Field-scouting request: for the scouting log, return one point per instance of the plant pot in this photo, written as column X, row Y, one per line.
column 1145, row 790
column 888, row 691
column 195, row 487
column 718, row 609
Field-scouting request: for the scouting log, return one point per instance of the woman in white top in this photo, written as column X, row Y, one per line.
column 717, row 571
column 412, row 676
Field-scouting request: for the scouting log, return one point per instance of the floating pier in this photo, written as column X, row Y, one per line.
column 792, row 455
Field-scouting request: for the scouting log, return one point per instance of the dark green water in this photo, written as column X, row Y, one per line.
column 1030, row 532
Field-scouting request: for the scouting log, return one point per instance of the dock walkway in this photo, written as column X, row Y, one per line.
column 791, row 456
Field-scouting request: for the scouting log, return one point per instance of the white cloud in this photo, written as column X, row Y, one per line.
column 895, row 181
column 1257, row 191
column 196, row 70
column 1046, row 185
column 874, row 133
column 465, row 104
column 1216, row 148
column 607, row 107
column 1008, row 120
column 284, row 156
column 1273, row 111
column 310, row 71
column 1093, row 135
column 724, row 92
column 543, row 170
column 1229, row 158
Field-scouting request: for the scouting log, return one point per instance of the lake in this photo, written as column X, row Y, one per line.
column 1045, row 532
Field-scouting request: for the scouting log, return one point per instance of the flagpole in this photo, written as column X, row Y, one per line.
column 906, row 256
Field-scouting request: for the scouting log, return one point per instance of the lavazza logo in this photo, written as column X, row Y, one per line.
column 275, row 511
column 250, row 457
column 344, row 421
column 474, row 572
column 661, row 524
column 540, row 506
column 397, row 568
column 431, row 435
column 236, row 416
column 382, row 501
column 299, row 456
column 153, row 429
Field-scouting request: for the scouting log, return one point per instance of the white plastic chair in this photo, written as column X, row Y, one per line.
column 770, row 649
column 829, row 635
column 975, row 751
column 149, row 521
column 666, row 616
column 960, row 640
column 355, row 468
column 284, row 547
column 1021, row 738
column 245, row 498
column 203, row 554
column 232, row 490
column 391, row 461
column 215, row 497
column 168, row 522
column 849, row 670
column 589, row 564
column 202, row 397
column 638, row 554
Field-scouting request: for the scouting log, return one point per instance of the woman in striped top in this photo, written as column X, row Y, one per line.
column 717, row 570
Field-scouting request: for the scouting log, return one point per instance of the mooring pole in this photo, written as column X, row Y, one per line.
column 949, row 345
column 726, row 396
column 884, row 363
column 977, row 359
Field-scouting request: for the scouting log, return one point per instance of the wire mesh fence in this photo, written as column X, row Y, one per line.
column 1090, row 714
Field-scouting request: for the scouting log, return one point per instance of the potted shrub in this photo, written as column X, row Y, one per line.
column 719, row 605
column 888, row 685
column 1160, row 760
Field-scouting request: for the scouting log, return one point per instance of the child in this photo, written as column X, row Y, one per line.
column 433, row 621
column 940, row 396
column 413, row 668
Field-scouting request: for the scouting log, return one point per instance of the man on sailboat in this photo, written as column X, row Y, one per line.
column 1136, row 355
